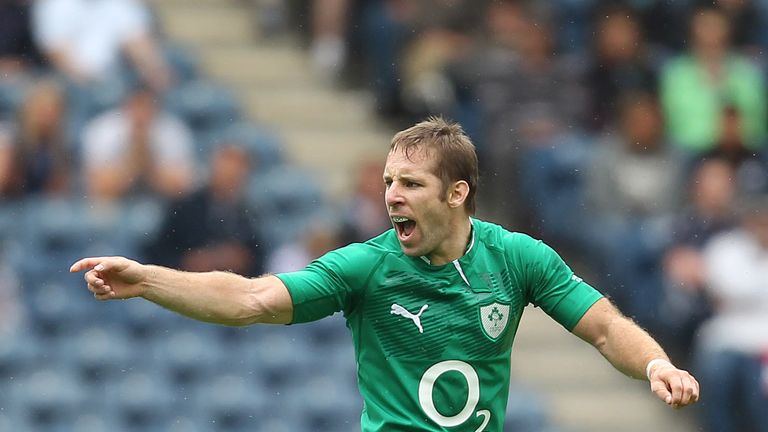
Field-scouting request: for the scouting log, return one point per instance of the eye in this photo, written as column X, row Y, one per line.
column 388, row 183
column 410, row 184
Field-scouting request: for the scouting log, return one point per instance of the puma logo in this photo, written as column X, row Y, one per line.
column 399, row 310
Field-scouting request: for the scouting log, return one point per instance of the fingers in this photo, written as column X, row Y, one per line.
column 677, row 388
column 86, row 263
column 660, row 388
column 101, row 264
column 98, row 286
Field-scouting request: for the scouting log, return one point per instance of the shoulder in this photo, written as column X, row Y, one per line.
column 515, row 246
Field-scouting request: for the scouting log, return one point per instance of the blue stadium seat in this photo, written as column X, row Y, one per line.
column 204, row 105
column 289, row 199
column 526, row 409
column 48, row 399
column 265, row 146
column 142, row 398
column 11, row 97
column 183, row 61
column 231, row 403
column 98, row 354
column 186, row 356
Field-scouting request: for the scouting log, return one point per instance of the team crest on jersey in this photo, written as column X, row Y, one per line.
column 494, row 318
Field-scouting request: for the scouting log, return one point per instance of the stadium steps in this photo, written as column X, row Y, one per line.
column 585, row 392
column 325, row 130
column 329, row 132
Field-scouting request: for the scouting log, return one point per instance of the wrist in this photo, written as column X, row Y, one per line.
column 654, row 364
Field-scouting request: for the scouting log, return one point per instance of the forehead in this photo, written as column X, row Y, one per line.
column 417, row 161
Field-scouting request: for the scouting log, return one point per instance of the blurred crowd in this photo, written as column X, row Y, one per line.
column 629, row 135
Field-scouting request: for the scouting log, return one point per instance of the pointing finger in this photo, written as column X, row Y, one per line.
column 85, row 263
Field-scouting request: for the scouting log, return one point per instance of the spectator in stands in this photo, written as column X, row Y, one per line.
column 748, row 159
column 85, row 39
column 621, row 62
column 632, row 185
column 748, row 23
column 18, row 53
column 733, row 344
column 697, row 86
column 524, row 94
column 635, row 173
column 138, row 148
column 706, row 213
column 36, row 157
column 318, row 238
column 364, row 218
column 329, row 34
column 213, row 228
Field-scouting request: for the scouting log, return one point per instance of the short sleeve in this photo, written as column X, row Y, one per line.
column 551, row 284
column 330, row 284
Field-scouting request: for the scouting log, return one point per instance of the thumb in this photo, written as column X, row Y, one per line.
column 662, row 391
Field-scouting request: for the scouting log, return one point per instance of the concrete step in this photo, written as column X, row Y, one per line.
column 308, row 107
column 206, row 23
column 336, row 154
column 263, row 65
column 614, row 410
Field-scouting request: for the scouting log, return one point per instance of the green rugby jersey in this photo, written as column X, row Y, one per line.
column 433, row 343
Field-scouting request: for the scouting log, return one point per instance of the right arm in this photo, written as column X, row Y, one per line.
column 216, row 297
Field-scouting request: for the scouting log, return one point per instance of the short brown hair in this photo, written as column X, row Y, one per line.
column 456, row 157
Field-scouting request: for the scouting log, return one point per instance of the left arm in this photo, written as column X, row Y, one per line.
column 630, row 350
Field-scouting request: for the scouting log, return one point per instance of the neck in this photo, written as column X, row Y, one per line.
column 456, row 244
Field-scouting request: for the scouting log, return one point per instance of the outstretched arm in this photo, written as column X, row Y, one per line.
column 631, row 350
column 217, row 297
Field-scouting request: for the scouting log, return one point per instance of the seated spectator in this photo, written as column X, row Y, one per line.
column 213, row 228
column 621, row 63
column 733, row 343
column 706, row 213
column 697, row 86
column 635, row 172
column 749, row 161
column 85, row 39
column 365, row 217
column 524, row 94
column 317, row 239
column 35, row 157
column 137, row 148
column 633, row 186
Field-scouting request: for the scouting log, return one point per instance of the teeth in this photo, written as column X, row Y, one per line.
column 398, row 219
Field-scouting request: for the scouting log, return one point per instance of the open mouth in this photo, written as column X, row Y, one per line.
column 403, row 226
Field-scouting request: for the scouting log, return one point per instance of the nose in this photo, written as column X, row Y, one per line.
column 392, row 195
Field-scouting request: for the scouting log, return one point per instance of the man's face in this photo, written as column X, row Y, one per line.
column 416, row 202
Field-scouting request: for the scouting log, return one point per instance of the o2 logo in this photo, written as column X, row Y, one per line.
column 427, row 384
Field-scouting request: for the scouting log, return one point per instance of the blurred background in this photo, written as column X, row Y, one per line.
column 250, row 135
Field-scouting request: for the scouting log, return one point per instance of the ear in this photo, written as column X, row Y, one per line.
column 457, row 194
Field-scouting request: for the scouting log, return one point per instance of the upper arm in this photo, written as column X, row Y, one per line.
column 549, row 283
column 594, row 324
column 330, row 284
column 270, row 301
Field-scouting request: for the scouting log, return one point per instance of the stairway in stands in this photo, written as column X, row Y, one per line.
column 329, row 131
column 326, row 130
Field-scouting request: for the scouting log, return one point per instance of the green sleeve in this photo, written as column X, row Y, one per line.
column 329, row 284
column 551, row 285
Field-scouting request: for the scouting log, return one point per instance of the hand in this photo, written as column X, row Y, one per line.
column 112, row 277
column 676, row 387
